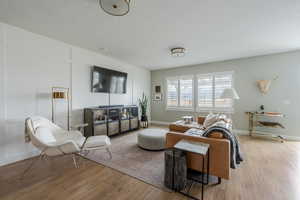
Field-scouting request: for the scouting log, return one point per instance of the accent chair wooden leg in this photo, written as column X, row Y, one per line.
column 74, row 160
column 109, row 152
column 85, row 152
column 34, row 160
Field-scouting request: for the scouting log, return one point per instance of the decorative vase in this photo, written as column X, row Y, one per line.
column 144, row 118
column 144, row 121
column 143, row 104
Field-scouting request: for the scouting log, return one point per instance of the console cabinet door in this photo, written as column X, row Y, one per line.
column 124, row 125
column 134, row 123
column 100, row 129
column 113, row 128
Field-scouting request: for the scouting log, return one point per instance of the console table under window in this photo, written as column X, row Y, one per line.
column 266, row 120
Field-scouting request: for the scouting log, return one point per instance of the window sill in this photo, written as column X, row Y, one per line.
column 204, row 110
column 180, row 109
column 227, row 111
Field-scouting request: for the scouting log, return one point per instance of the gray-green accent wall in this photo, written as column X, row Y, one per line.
column 283, row 96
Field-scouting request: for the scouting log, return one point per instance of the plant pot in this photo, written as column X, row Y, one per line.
column 144, row 121
column 144, row 118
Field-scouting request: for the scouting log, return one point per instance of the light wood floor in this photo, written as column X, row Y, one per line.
column 271, row 171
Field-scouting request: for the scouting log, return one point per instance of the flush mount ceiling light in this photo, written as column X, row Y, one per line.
column 178, row 52
column 115, row 7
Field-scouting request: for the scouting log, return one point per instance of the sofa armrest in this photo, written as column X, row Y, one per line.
column 178, row 128
column 219, row 153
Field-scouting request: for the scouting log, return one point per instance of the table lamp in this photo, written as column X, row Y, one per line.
column 230, row 93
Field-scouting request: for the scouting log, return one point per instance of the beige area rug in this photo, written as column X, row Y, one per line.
column 128, row 158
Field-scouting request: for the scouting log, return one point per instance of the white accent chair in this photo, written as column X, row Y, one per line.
column 52, row 140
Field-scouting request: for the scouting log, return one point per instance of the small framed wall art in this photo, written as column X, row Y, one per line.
column 157, row 89
column 157, row 97
column 157, row 93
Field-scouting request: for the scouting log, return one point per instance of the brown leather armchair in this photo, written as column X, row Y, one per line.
column 219, row 151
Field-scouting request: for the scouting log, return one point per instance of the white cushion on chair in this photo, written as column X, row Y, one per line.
column 97, row 141
column 45, row 135
column 75, row 136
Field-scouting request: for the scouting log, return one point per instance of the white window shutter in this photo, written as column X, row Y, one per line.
column 172, row 96
column 186, row 92
column 205, row 92
column 210, row 87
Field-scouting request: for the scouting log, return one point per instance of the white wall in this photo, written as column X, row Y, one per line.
column 284, row 95
column 2, row 142
column 138, row 82
column 30, row 65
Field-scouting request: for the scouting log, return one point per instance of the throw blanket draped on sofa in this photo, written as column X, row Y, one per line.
column 235, row 153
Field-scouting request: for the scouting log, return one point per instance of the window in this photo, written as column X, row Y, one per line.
column 186, row 92
column 172, row 93
column 210, row 89
column 205, row 91
column 180, row 92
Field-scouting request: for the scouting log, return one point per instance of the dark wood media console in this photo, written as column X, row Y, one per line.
column 111, row 120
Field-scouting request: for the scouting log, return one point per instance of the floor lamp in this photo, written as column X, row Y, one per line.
column 230, row 93
column 62, row 94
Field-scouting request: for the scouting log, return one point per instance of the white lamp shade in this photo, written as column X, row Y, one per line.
column 230, row 93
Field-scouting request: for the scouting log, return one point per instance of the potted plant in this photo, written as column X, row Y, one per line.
column 144, row 104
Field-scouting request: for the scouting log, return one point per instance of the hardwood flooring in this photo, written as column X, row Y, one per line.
column 271, row 170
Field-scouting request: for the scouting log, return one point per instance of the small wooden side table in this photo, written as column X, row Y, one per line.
column 256, row 121
column 198, row 148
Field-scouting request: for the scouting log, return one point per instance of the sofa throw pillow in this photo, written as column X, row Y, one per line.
column 210, row 120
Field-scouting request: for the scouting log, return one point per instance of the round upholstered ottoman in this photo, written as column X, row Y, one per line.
column 152, row 139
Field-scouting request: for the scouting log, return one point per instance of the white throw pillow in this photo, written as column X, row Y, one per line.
column 210, row 120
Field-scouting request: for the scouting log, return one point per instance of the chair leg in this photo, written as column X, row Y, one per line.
column 86, row 152
column 34, row 160
column 109, row 152
column 74, row 160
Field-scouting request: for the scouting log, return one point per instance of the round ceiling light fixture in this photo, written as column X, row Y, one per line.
column 178, row 52
column 115, row 7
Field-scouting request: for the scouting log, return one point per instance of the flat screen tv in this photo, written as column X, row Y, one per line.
column 108, row 81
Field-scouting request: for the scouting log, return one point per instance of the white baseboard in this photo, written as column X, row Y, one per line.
column 241, row 132
column 292, row 138
column 160, row 123
column 18, row 157
column 237, row 131
column 246, row 132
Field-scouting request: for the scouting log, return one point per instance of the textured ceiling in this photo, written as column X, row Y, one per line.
column 210, row 30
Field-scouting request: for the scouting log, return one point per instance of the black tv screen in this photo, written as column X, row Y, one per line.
column 108, row 81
